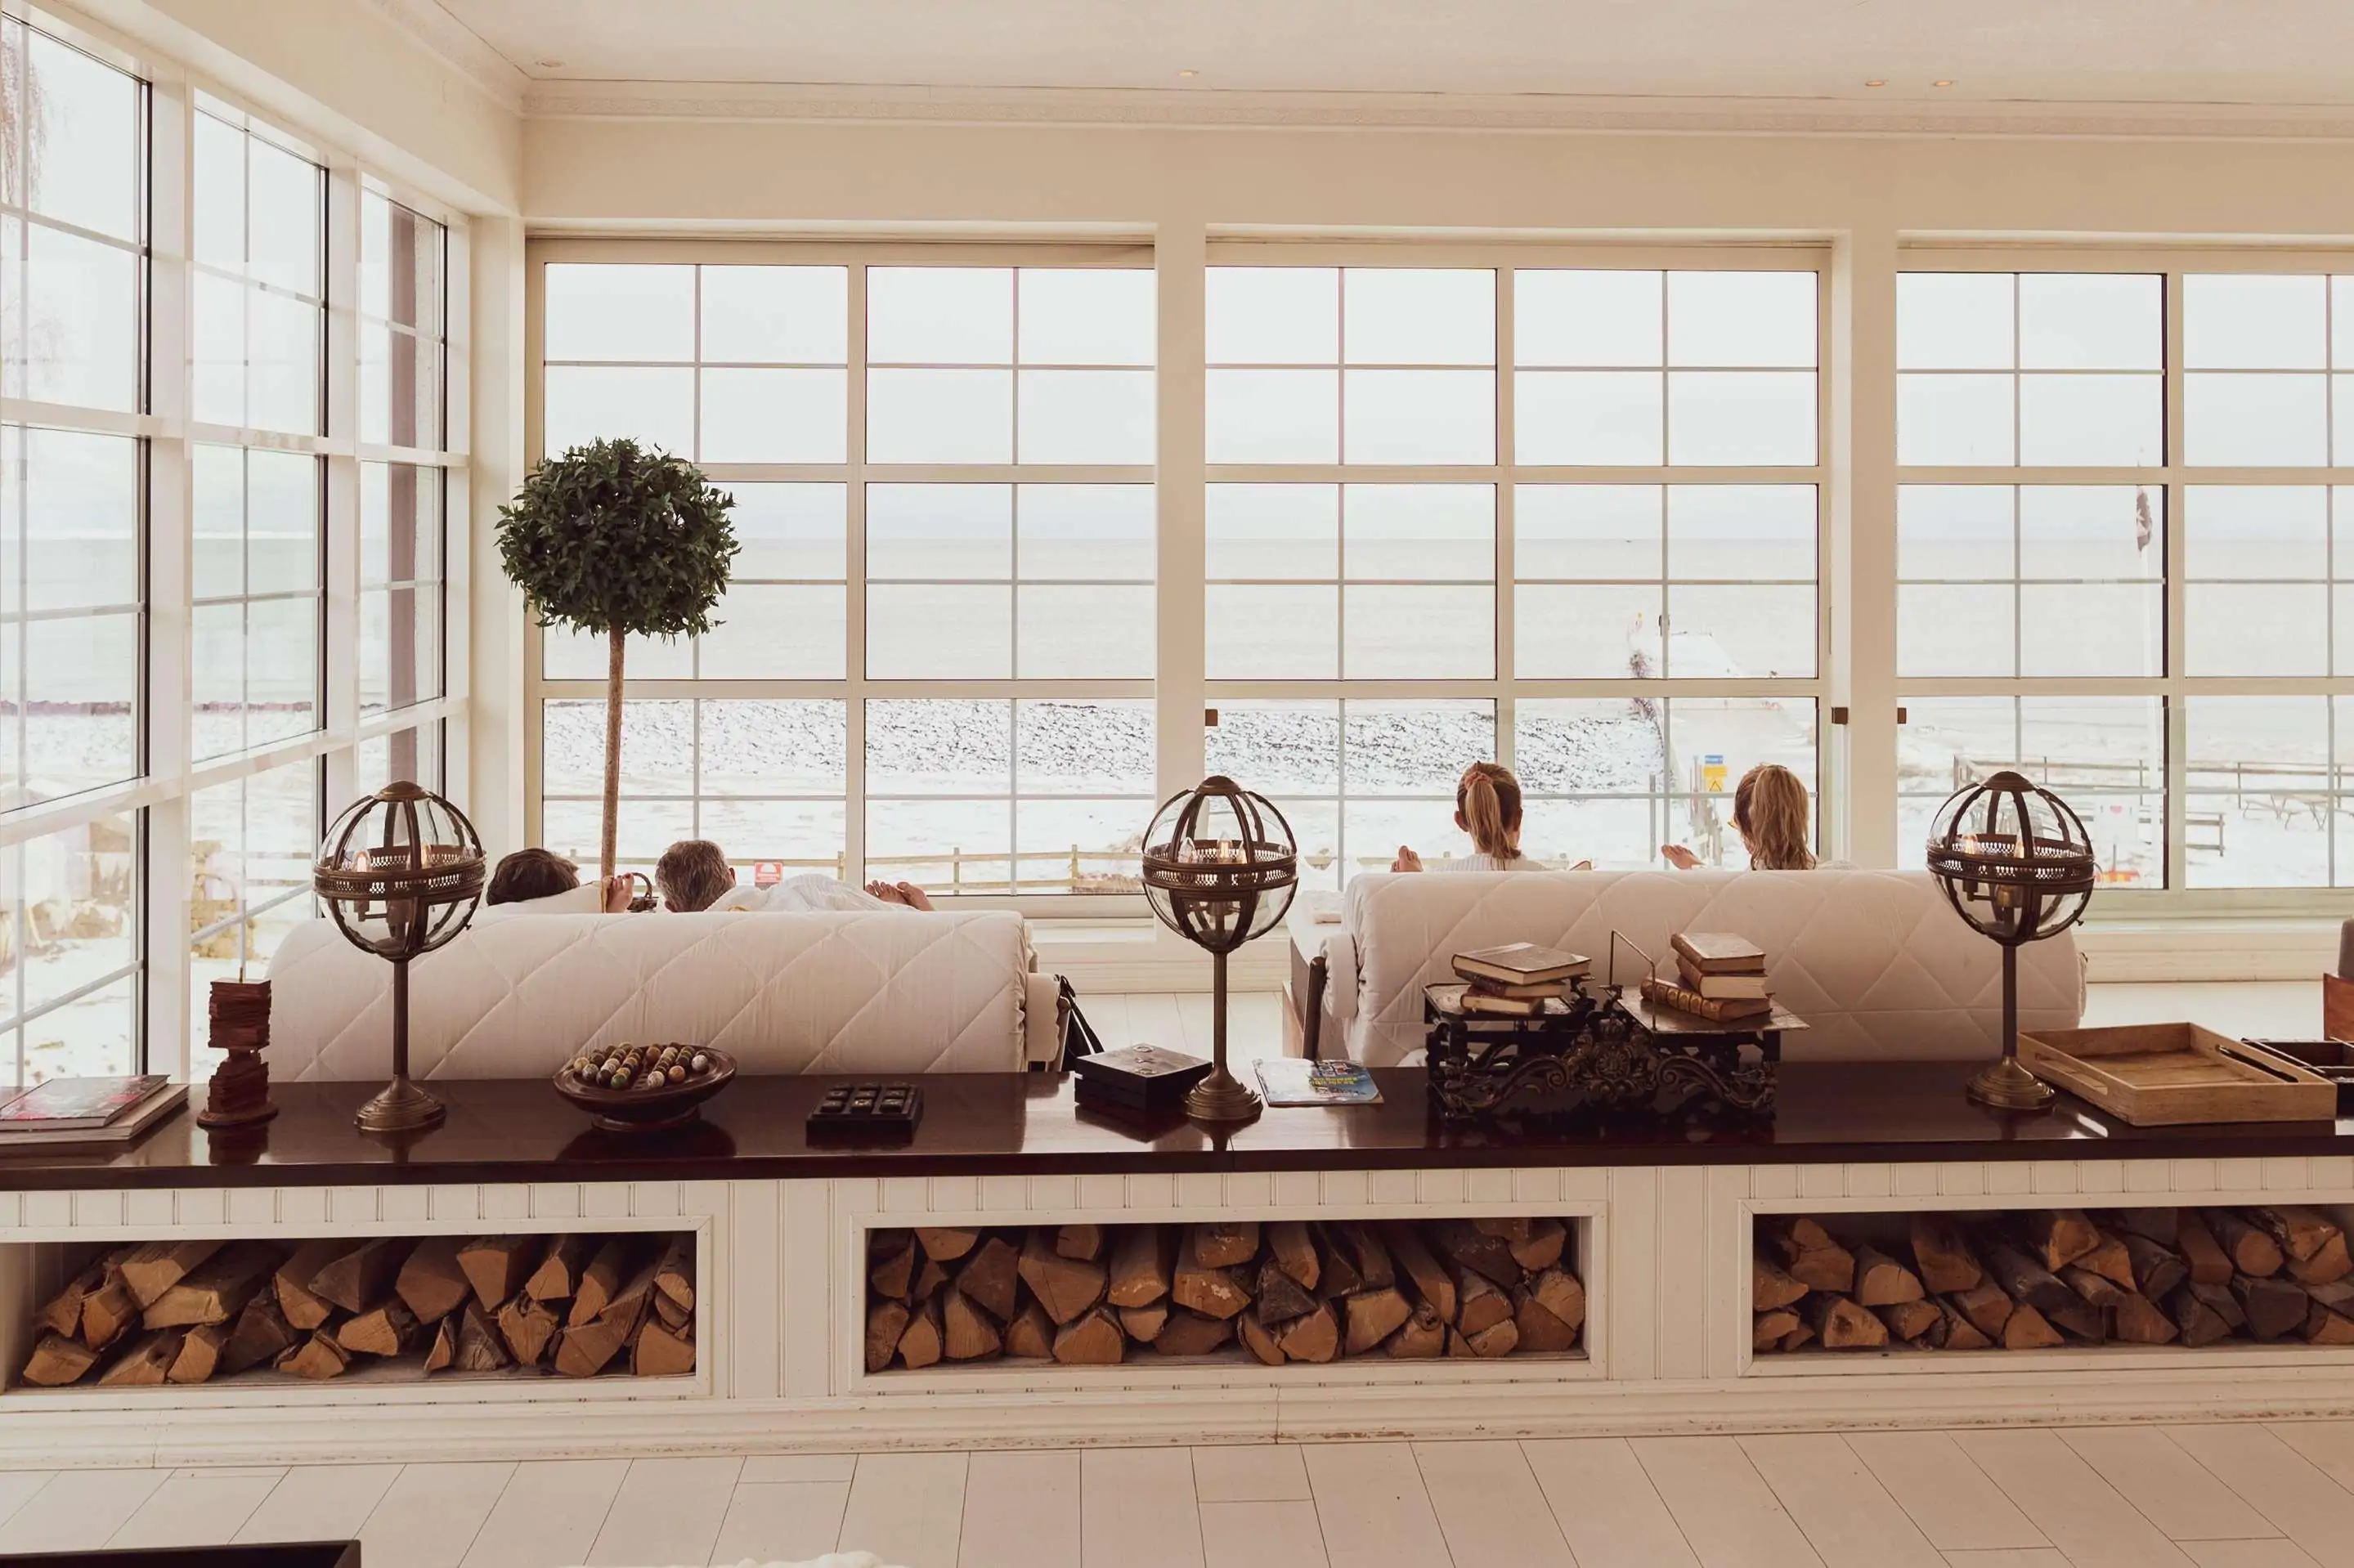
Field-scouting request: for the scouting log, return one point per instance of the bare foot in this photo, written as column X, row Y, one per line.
column 1679, row 857
column 1406, row 859
column 912, row 897
column 884, row 890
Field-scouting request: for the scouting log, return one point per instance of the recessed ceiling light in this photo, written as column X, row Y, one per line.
column 1876, row 82
column 1187, row 70
column 1943, row 82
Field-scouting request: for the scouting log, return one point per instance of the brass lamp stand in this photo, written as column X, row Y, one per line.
column 2016, row 864
column 1220, row 868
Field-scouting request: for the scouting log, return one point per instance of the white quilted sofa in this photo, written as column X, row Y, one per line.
column 880, row 991
column 1875, row 962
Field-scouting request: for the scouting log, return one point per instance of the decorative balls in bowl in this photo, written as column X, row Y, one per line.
column 645, row 1088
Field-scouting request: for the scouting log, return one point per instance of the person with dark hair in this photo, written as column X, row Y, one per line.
column 1487, row 807
column 693, row 876
column 529, row 876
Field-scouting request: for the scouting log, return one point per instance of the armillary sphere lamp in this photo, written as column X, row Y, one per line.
column 1220, row 867
column 2016, row 864
column 400, row 872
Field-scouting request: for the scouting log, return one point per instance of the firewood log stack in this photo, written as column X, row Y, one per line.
column 1274, row 1291
column 2038, row 1278
column 188, row 1311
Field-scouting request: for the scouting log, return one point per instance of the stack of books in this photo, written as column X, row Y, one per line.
column 66, row 1111
column 1720, row 978
column 1516, row 980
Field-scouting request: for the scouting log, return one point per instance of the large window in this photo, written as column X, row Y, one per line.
column 930, row 660
column 167, row 773
column 2153, row 631
column 1634, row 498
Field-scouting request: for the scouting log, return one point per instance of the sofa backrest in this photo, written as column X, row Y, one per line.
column 1875, row 962
column 886, row 992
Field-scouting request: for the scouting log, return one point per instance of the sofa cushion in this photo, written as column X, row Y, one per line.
column 1875, row 962
column 891, row 991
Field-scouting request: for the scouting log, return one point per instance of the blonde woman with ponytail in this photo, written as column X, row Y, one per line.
column 1487, row 807
column 1769, row 812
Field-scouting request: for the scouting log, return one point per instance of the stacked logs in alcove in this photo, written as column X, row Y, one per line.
column 2045, row 1277
column 1286, row 1290
column 188, row 1311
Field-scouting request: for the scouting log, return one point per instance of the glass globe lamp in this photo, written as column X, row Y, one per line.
column 399, row 872
column 1220, row 867
column 2017, row 865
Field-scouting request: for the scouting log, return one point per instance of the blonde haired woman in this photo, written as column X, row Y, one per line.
column 1487, row 807
column 1769, row 812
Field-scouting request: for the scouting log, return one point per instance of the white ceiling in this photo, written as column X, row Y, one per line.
column 2184, row 52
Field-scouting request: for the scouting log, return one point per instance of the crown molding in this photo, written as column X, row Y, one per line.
column 1213, row 108
column 459, row 46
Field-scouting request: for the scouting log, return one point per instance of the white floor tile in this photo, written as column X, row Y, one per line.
column 668, row 1511
column 1605, row 1505
column 1848, row 1517
column 2066, row 1498
column 907, row 1509
column 1943, row 1493
column 78, row 1510
column 431, row 1513
column 1724, row 1506
column 1282, row 1534
column 2276, row 1481
column 319, row 1502
column 1022, row 1510
column 1374, row 1510
column 197, row 1508
column 1489, row 1506
column 17, row 1487
column 1250, row 1472
column 549, row 1514
column 761, row 1468
column 2173, row 1491
column 2272, row 1554
column 2327, row 1446
column 783, row 1522
column 1136, row 1509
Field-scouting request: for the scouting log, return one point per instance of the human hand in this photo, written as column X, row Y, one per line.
column 1406, row 859
column 1679, row 857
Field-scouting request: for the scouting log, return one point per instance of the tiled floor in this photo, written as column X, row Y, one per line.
column 2229, row 1496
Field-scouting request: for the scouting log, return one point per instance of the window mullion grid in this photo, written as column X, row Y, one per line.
column 1504, row 595
column 2174, row 657
column 854, row 692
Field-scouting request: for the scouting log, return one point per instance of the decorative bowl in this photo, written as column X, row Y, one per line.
column 648, row 1111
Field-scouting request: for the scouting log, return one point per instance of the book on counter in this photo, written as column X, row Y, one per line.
column 1721, row 988
column 66, row 1111
column 1297, row 1081
column 1714, row 953
column 1667, row 994
column 1518, row 965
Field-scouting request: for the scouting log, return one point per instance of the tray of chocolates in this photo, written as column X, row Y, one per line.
column 645, row 1088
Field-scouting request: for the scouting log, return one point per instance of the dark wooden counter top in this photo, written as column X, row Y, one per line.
column 990, row 1124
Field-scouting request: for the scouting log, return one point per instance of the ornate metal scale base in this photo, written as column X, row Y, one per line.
column 1587, row 1057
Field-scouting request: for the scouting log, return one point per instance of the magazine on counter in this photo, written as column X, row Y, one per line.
column 1296, row 1081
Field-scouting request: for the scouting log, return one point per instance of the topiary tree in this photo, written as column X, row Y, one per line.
column 619, row 540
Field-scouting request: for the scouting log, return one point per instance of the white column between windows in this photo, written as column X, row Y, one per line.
column 1180, row 258
column 1861, row 596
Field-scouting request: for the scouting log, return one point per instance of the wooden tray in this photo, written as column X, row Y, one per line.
column 2165, row 1074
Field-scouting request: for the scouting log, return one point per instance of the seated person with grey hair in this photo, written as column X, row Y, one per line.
column 693, row 874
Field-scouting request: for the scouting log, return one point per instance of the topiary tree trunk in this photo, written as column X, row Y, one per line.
column 619, row 541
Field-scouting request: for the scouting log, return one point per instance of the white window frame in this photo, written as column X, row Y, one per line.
column 2173, row 477
column 157, row 799
column 855, row 689
column 1506, row 688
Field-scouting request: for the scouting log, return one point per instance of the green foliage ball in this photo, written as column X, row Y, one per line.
column 615, row 536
